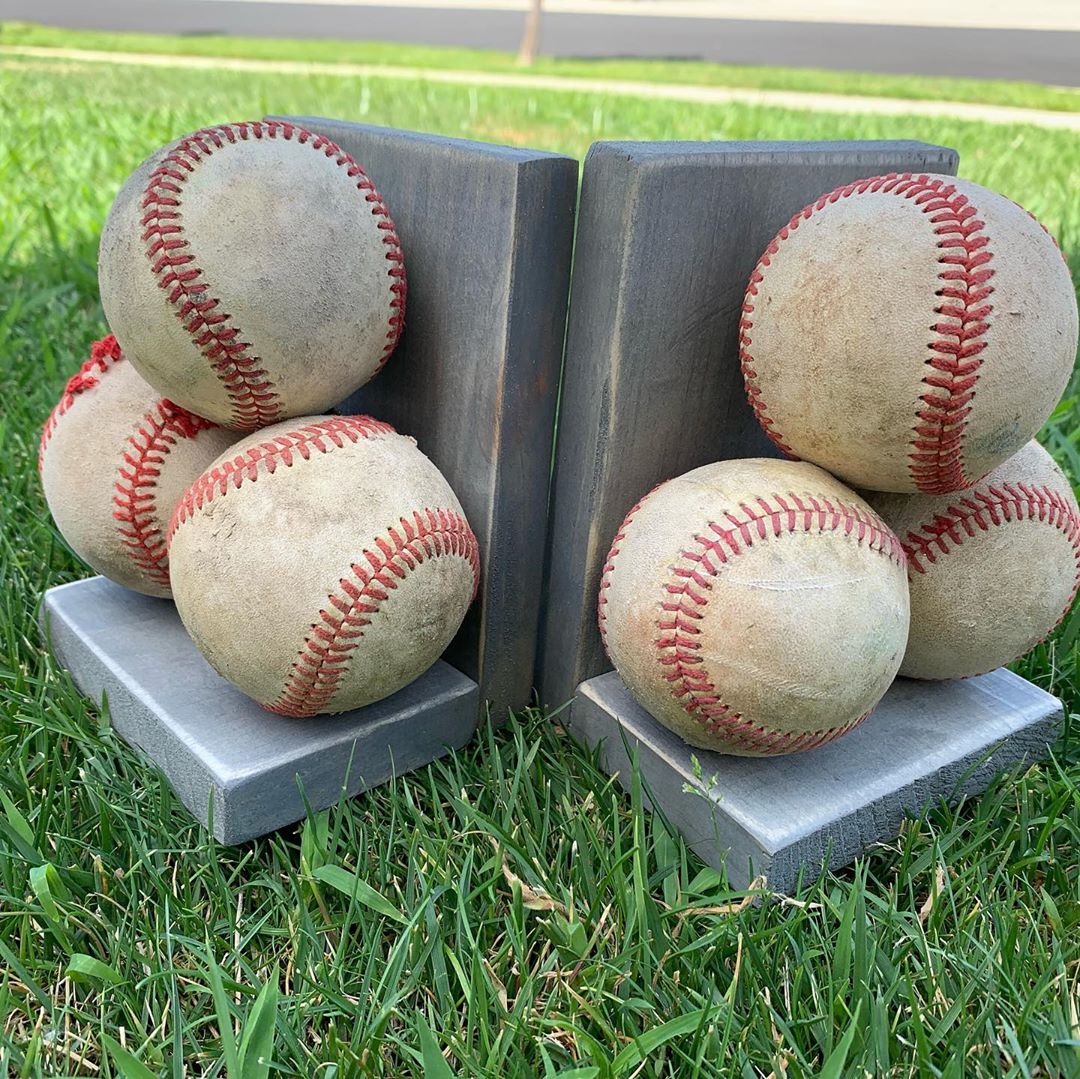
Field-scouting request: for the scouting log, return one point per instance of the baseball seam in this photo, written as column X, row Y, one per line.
column 135, row 496
column 135, row 491
column 104, row 354
column 686, row 597
column 935, row 459
column 324, row 658
column 265, row 457
column 248, row 386
column 991, row 507
column 609, row 565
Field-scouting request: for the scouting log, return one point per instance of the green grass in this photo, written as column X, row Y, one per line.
column 508, row 912
column 689, row 72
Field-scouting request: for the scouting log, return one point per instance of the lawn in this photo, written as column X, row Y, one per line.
column 688, row 72
column 507, row 912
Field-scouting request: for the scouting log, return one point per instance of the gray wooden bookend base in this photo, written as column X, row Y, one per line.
column 239, row 769
column 783, row 817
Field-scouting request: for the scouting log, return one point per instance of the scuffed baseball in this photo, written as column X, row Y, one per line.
column 322, row 565
column 114, row 458
column 908, row 333
column 992, row 569
column 755, row 607
column 251, row 272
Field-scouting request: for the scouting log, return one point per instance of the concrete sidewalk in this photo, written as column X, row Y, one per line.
column 985, row 15
column 704, row 95
column 964, row 42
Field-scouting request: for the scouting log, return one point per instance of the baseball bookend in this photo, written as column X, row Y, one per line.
column 114, row 458
column 992, row 569
column 320, row 566
column 908, row 332
column 251, row 272
column 755, row 607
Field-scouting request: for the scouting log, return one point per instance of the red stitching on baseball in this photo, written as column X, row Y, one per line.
column 247, row 384
column 609, row 565
column 935, row 460
column 135, row 491
column 135, row 495
column 686, row 597
column 982, row 509
column 263, row 458
column 335, row 634
column 104, row 354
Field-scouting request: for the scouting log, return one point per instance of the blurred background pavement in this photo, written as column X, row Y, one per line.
column 1037, row 41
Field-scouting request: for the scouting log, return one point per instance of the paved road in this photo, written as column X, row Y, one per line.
column 1039, row 56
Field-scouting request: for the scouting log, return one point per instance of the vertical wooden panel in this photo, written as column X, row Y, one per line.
column 668, row 234
column 487, row 233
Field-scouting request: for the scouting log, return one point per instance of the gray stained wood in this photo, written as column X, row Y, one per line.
column 787, row 817
column 667, row 236
column 240, row 770
column 487, row 233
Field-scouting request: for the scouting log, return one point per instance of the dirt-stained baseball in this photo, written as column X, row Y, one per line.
column 322, row 565
column 992, row 569
column 251, row 272
column 908, row 332
column 755, row 607
column 114, row 458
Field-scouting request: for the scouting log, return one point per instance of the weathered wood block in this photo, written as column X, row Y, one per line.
column 787, row 817
column 239, row 769
column 487, row 233
column 667, row 236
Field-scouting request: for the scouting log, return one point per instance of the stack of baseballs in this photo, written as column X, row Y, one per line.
column 903, row 337
column 252, row 278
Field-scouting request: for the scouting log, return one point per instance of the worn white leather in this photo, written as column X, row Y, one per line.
column 992, row 569
column 844, row 320
column 113, row 447
column 280, row 233
column 271, row 548
column 755, row 607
